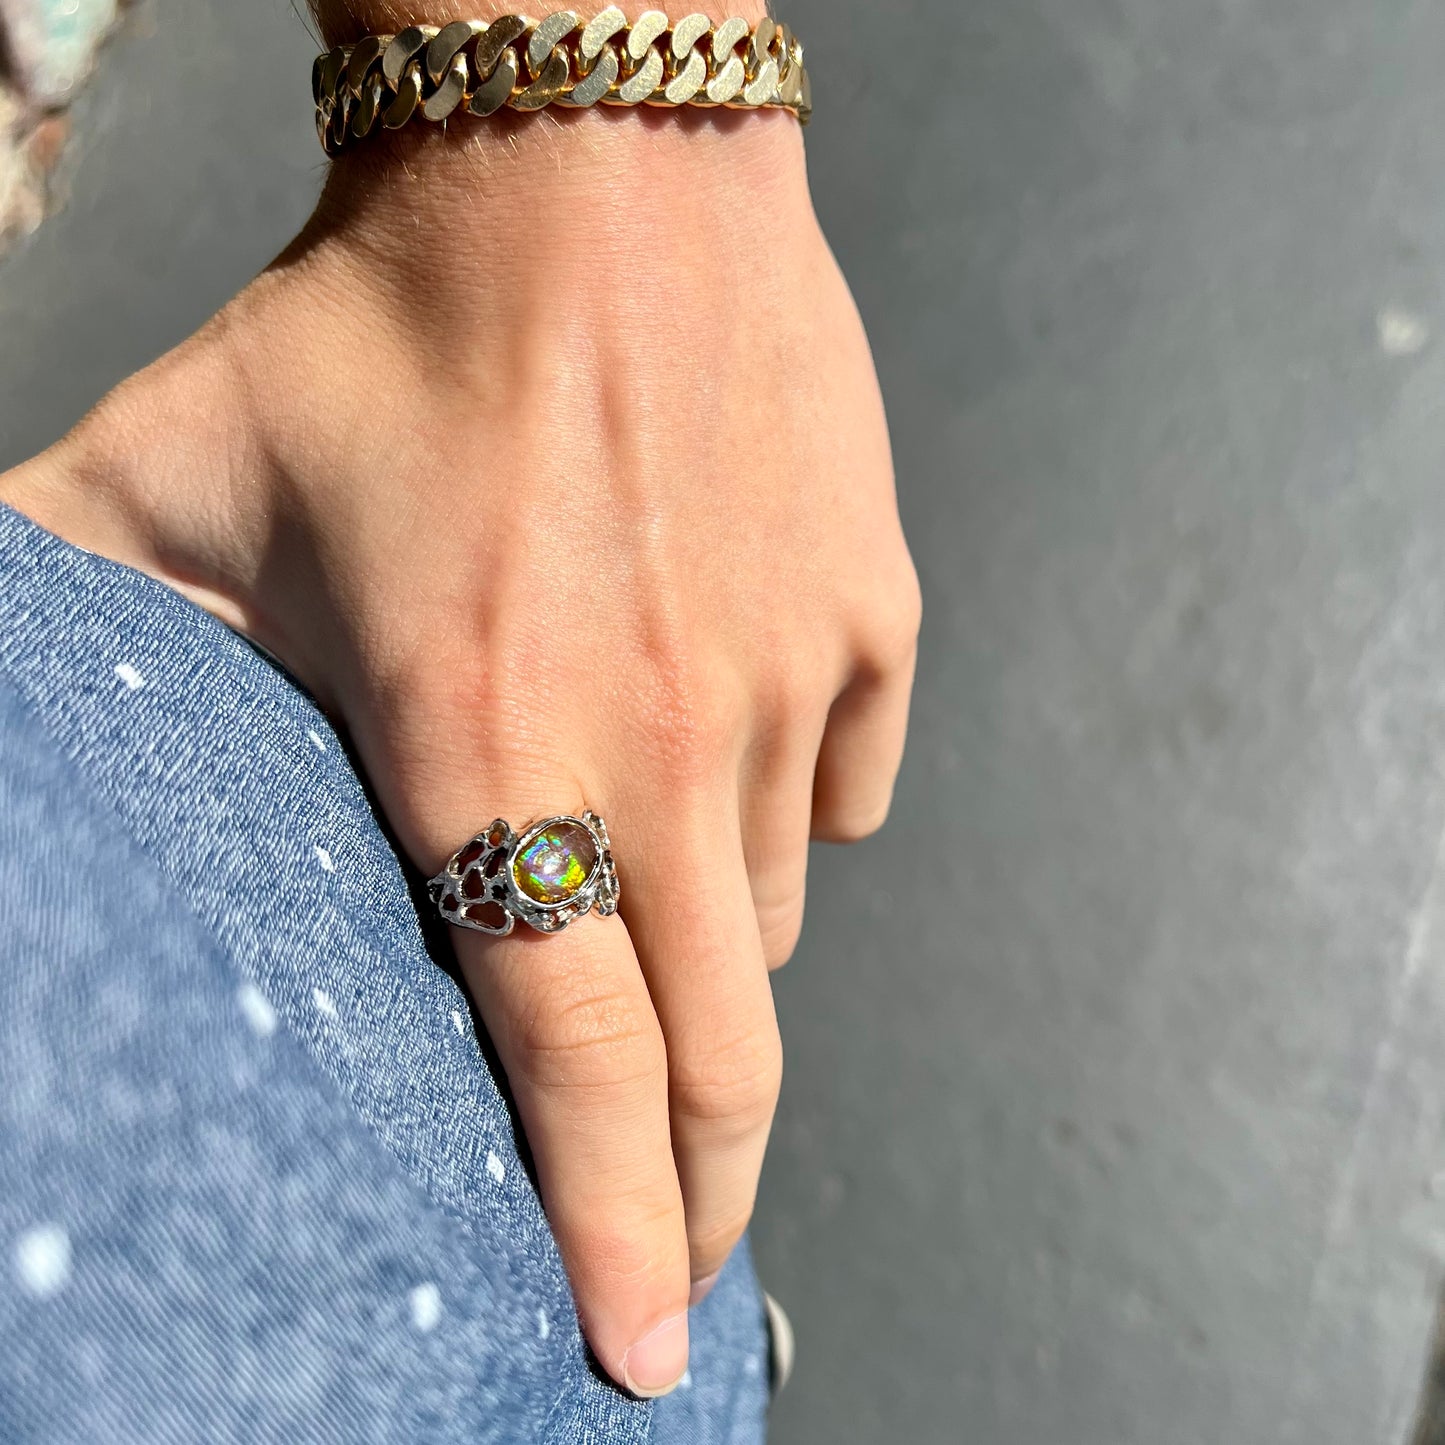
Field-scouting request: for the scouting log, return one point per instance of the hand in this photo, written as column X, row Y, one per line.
column 554, row 463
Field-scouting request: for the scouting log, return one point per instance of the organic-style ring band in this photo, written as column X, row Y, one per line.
column 549, row 874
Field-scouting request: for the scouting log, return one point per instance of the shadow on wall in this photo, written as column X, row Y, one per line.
column 47, row 49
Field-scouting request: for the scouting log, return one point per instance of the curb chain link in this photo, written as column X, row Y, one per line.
column 471, row 67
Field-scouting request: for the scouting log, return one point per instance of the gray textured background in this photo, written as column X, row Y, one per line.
column 1118, row 1117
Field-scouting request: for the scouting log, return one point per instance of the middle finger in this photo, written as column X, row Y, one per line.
column 689, row 912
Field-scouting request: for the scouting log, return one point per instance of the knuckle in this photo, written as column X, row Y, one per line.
column 591, row 1037
column 907, row 599
column 895, row 618
column 855, row 821
column 636, row 1249
column 781, row 928
column 733, row 1088
column 779, row 904
column 712, row 1241
column 793, row 702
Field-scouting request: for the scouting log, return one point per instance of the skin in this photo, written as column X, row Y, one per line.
column 551, row 458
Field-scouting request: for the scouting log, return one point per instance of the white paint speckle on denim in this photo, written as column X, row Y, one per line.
column 426, row 1307
column 324, row 859
column 42, row 1260
column 495, row 1167
column 324, row 1002
column 129, row 676
column 257, row 1009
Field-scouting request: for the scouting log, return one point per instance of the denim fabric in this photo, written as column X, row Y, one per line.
column 257, row 1180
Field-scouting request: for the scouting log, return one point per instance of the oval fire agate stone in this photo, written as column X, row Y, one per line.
column 556, row 864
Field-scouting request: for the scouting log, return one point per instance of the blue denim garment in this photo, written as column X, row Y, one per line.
column 257, row 1180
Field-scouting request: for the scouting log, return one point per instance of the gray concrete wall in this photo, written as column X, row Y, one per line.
column 1116, row 1117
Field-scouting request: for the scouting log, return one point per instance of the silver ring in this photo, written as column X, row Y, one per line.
column 548, row 875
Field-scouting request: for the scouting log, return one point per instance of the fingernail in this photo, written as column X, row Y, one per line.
column 655, row 1364
column 701, row 1287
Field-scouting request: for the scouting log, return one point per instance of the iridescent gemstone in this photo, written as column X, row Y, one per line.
column 556, row 864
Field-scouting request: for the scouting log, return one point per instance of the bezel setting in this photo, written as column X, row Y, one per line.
column 478, row 888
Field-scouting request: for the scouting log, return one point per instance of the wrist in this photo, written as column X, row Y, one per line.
column 590, row 194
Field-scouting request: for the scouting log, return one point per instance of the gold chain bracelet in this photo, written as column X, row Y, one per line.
column 477, row 68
